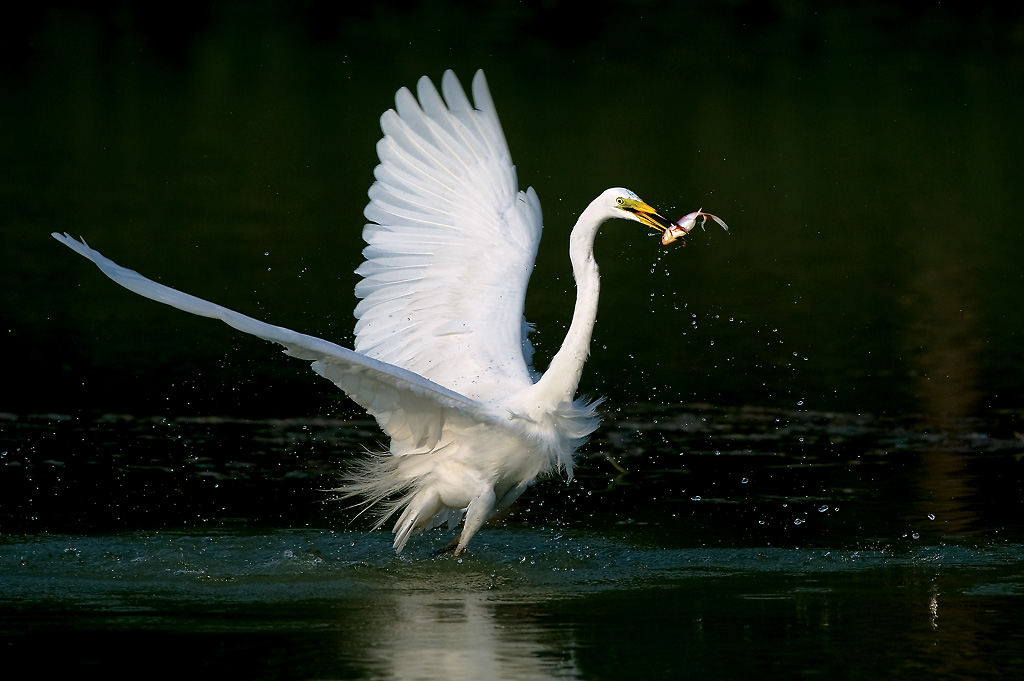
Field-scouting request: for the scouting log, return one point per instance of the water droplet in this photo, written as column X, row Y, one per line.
column 931, row 516
column 696, row 498
column 798, row 521
column 744, row 481
column 822, row 508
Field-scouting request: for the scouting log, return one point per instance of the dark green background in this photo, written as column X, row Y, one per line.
column 866, row 156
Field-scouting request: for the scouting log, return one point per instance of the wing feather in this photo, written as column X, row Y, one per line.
column 409, row 408
column 450, row 245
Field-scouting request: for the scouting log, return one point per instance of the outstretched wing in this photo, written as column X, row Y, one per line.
column 450, row 247
column 408, row 407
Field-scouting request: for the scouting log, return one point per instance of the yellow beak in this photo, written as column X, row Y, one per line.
column 649, row 216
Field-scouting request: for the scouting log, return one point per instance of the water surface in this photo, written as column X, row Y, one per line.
column 702, row 542
column 529, row 604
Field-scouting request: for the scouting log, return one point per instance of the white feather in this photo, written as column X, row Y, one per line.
column 390, row 394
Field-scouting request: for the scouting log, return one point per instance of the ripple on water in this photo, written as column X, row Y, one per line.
column 292, row 565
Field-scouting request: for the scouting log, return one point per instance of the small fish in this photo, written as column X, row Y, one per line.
column 685, row 225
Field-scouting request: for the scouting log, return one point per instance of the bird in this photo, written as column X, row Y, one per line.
column 442, row 357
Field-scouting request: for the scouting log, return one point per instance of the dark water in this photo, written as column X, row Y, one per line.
column 812, row 458
column 695, row 542
column 536, row 605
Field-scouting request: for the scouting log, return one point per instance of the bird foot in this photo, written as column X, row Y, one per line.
column 450, row 547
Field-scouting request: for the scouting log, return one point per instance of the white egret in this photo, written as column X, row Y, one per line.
column 441, row 357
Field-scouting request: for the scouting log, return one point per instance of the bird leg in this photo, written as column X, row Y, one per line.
column 450, row 546
column 476, row 515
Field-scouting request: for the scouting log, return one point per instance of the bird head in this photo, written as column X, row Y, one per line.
column 626, row 204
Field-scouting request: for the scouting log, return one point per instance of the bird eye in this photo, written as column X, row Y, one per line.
column 619, row 201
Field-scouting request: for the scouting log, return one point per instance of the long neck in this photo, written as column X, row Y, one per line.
column 560, row 381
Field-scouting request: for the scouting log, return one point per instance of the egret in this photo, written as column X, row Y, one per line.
column 441, row 357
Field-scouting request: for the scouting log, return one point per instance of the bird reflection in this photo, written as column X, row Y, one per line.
column 469, row 636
